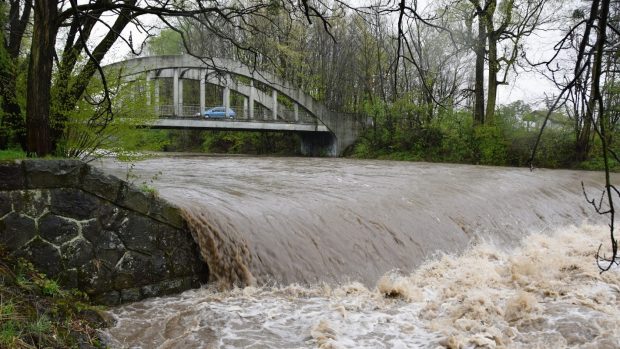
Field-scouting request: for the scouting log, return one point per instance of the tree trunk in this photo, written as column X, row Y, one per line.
column 493, row 38
column 479, row 87
column 582, row 145
column 40, row 77
column 583, row 139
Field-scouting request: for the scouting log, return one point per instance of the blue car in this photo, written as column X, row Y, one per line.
column 217, row 113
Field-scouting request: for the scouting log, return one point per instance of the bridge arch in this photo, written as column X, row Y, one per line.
column 342, row 129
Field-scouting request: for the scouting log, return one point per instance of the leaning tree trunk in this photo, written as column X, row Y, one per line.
column 40, row 76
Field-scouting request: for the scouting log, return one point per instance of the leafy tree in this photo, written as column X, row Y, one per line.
column 167, row 42
column 14, row 17
column 45, row 123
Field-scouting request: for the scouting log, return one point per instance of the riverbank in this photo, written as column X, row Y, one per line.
column 35, row 312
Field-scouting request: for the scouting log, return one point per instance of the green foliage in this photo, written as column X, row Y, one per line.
column 12, row 154
column 402, row 131
column 35, row 312
column 491, row 146
column 168, row 42
column 250, row 142
column 49, row 287
column 147, row 189
column 142, row 139
column 92, row 130
column 596, row 163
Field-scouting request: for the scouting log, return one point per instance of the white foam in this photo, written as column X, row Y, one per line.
column 546, row 294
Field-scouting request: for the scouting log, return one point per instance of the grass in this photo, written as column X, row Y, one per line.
column 35, row 312
column 12, row 154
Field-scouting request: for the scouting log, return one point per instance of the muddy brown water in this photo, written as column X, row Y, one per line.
column 312, row 239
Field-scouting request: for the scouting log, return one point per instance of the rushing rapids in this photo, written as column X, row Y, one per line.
column 341, row 229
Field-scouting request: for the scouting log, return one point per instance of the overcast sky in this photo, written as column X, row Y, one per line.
column 528, row 86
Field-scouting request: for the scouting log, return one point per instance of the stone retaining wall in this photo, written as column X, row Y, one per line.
column 95, row 232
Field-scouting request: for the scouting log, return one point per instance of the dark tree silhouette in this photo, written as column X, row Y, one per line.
column 585, row 90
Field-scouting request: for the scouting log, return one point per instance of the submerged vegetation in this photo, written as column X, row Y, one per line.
column 35, row 312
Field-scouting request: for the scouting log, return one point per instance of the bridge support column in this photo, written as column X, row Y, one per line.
column 203, row 81
column 274, row 94
column 226, row 98
column 296, row 111
column 148, row 89
column 245, row 108
column 226, row 94
column 181, row 113
column 251, row 99
column 175, row 92
column 156, row 97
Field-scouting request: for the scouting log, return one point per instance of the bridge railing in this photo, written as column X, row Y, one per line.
column 285, row 115
column 166, row 110
column 190, row 110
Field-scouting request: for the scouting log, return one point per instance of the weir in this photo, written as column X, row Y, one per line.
column 295, row 220
column 330, row 249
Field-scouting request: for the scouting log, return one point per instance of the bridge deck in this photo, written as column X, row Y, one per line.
column 236, row 125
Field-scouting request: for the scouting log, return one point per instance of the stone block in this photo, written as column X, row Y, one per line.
column 168, row 238
column 43, row 255
column 16, row 230
column 77, row 252
column 91, row 230
column 166, row 213
column 108, row 247
column 33, row 203
column 134, row 199
column 95, row 277
column 130, row 295
column 111, row 216
column 160, row 265
column 182, row 262
column 108, row 298
column 68, row 278
column 53, row 173
column 138, row 233
column 56, row 229
column 174, row 285
column 74, row 203
column 134, row 269
column 152, row 290
column 6, row 204
column 165, row 287
column 101, row 184
column 12, row 175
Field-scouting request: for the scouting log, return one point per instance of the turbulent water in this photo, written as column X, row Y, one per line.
column 317, row 243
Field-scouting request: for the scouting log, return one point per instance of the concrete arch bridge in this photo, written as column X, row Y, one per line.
column 269, row 104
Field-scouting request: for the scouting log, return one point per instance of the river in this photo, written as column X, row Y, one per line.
column 340, row 253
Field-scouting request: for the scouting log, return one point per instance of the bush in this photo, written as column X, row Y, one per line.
column 451, row 137
column 490, row 145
